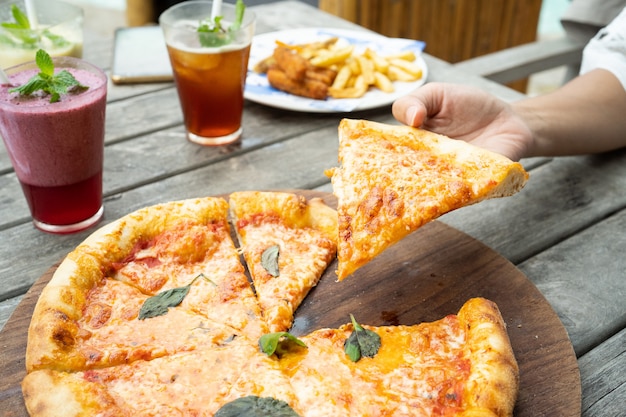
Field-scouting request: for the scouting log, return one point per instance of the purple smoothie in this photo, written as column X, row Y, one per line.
column 57, row 144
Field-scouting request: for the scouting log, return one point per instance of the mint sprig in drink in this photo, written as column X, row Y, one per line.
column 59, row 31
column 52, row 115
column 209, row 57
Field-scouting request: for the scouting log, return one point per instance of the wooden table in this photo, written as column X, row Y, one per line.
column 565, row 231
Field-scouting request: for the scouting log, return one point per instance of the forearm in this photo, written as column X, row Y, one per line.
column 585, row 116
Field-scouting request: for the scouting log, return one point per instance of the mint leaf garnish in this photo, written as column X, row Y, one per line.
column 212, row 34
column 47, row 81
column 240, row 8
column 20, row 18
column 23, row 36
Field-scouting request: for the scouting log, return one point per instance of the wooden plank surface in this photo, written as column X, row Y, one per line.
column 602, row 371
column 434, row 272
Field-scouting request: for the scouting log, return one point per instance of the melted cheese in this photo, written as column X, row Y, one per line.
column 176, row 257
column 418, row 371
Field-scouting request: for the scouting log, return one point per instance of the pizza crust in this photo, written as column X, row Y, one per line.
column 493, row 382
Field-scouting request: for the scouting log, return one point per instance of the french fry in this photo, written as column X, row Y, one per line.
column 354, row 92
column 367, row 69
column 329, row 58
column 398, row 74
column 343, row 75
column 355, row 67
column 407, row 66
column 361, row 83
column 383, row 83
column 380, row 63
column 405, row 55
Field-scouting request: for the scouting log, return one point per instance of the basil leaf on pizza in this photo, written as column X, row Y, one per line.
column 269, row 342
column 253, row 406
column 269, row 260
column 362, row 342
column 159, row 304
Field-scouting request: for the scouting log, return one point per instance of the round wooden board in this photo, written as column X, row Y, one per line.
column 428, row 275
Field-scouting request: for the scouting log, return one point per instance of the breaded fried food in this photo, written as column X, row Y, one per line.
column 291, row 63
column 325, row 75
column 306, row 88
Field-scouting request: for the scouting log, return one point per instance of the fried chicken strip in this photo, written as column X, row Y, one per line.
column 306, row 88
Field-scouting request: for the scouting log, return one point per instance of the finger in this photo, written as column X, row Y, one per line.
column 419, row 105
column 409, row 110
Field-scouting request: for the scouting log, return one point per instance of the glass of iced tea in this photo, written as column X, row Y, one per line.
column 56, row 148
column 209, row 58
column 57, row 27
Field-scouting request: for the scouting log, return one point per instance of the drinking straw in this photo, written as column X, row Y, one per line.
column 216, row 10
column 31, row 13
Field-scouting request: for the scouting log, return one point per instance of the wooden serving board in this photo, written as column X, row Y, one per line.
column 428, row 275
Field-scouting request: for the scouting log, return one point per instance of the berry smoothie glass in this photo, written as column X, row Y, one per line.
column 57, row 148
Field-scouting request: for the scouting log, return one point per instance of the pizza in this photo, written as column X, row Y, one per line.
column 170, row 310
column 394, row 179
column 288, row 242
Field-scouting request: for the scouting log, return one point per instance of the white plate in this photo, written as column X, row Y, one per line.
column 258, row 89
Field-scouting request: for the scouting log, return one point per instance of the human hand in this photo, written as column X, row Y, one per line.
column 466, row 113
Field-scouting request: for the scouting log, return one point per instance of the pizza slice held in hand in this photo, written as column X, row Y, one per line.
column 288, row 243
column 394, row 179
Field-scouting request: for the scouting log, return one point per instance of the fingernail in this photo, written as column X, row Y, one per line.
column 410, row 114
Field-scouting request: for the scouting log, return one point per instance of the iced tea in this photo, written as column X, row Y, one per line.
column 209, row 60
column 210, row 88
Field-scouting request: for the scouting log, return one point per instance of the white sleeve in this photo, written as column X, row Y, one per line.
column 607, row 50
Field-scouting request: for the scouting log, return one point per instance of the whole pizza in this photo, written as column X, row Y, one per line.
column 184, row 309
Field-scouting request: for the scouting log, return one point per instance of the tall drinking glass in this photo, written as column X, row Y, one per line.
column 209, row 69
column 58, row 30
column 57, row 148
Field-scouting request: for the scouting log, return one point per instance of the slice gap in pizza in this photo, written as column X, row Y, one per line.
column 394, row 179
column 90, row 313
column 288, row 243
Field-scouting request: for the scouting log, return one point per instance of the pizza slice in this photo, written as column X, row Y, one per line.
column 194, row 383
column 460, row 365
column 288, row 243
column 102, row 308
column 394, row 179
